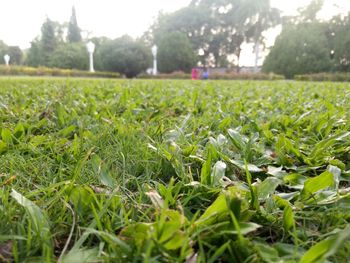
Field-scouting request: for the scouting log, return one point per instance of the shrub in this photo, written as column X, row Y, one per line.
column 43, row 71
column 124, row 55
column 336, row 77
column 226, row 76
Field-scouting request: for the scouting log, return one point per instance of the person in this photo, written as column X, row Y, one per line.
column 205, row 74
column 194, row 74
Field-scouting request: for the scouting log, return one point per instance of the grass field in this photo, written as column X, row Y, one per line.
column 174, row 171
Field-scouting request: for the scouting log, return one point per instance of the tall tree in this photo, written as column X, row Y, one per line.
column 212, row 35
column 255, row 17
column 338, row 34
column 43, row 47
column 300, row 49
column 49, row 39
column 34, row 55
column 73, row 29
column 309, row 13
column 175, row 53
column 218, row 28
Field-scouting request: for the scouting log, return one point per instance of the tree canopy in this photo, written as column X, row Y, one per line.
column 43, row 47
column 217, row 29
column 74, row 35
column 175, row 53
column 300, row 49
column 125, row 55
column 209, row 33
column 307, row 45
column 69, row 56
column 15, row 53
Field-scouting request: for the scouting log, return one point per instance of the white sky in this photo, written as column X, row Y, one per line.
column 21, row 20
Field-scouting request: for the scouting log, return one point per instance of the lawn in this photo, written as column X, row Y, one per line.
column 174, row 171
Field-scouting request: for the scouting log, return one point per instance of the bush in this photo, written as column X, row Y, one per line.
column 124, row 55
column 336, row 77
column 173, row 75
column 247, row 76
column 70, row 56
column 226, row 76
column 43, row 71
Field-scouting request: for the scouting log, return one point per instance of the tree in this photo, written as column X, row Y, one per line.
column 256, row 16
column 189, row 21
column 15, row 53
column 74, row 35
column 3, row 51
column 338, row 35
column 42, row 48
column 309, row 13
column 175, row 53
column 217, row 28
column 34, row 54
column 125, row 55
column 69, row 56
column 49, row 40
column 300, row 49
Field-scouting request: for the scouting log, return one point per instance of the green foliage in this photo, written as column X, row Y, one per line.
column 299, row 49
column 42, row 48
column 226, row 76
column 337, row 77
column 15, row 53
column 338, row 34
column 69, row 56
column 38, row 221
column 175, row 53
column 326, row 248
column 308, row 46
column 34, row 55
column 74, row 35
column 173, row 171
column 217, row 29
column 125, row 55
column 43, row 71
column 309, row 13
column 49, row 40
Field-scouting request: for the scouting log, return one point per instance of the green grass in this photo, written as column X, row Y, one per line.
column 174, row 171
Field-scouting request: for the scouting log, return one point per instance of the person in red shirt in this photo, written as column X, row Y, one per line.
column 194, row 74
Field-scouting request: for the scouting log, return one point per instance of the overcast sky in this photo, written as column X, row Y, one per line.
column 20, row 20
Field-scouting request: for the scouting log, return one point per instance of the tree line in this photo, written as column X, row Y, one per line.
column 309, row 45
column 208, row 33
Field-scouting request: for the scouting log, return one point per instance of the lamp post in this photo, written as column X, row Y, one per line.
column 7, row 59
column 91, row 48
column 154, row 52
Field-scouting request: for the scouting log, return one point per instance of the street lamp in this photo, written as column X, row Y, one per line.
column 7, row 59
column 91, row 48
column 154, row 52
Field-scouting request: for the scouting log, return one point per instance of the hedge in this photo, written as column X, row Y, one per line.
column 336, row 77
column 226, row 76
column 43, row 71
